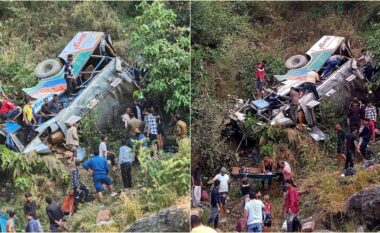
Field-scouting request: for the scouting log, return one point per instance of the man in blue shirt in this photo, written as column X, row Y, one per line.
column 126, row 158
column 32, row 224
column 215, row 205
column 99, row 168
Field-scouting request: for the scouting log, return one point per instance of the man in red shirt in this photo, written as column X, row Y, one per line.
column 260, row 78
column 291, row 209
column 8, row 110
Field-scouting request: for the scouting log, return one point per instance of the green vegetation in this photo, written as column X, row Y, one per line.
column 32, row 32
column 228, row 40
column 164, row 51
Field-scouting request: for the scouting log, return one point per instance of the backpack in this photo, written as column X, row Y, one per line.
column 68, row 203
column 241, row 225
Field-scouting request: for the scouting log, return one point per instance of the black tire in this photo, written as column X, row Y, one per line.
column 296, row 61
column 47, row 68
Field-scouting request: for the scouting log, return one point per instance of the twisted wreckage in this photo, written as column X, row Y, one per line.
column 343, row 79
column 103, row 80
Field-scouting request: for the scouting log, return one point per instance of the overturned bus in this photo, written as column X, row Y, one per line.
column 343, row 78
column 103, row 80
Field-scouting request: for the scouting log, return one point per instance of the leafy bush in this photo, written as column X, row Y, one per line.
column 373, row 42
column 168, row 175
column 164, row 49
column 24, row 166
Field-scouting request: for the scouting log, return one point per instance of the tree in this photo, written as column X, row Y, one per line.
column 164, row 49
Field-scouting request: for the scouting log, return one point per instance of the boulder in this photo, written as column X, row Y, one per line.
column 103, row 215
column 173, row 219
column 308, row 226
column 365, row 204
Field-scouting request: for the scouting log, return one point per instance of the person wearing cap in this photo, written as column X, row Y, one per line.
column 311, row 79
column 223, row 188
column 181, row 127
column 290, row 208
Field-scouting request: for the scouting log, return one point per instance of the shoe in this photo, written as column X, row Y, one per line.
column 342, row 175
column 113, row 194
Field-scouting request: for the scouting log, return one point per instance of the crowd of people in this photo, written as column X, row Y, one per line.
column 256, row 209
column 10, row 112
column 144, row 128
column 361, row 122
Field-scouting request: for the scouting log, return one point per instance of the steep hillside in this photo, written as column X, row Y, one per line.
column 229, row 39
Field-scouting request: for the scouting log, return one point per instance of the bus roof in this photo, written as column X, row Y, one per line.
column 82, row 47
column 319, row 53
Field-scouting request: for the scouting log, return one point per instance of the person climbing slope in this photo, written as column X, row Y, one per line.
column 223, row 188
column 99, row 168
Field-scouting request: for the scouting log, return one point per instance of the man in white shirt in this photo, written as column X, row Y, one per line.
column 125, row 118
column 253, row 214
column 223, row 188
column 103, row 152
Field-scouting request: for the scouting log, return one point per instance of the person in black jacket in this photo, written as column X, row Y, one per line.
column 215, row 205
column 55, row 215
column 137, row 110
column 365, row 134
column 30, row 206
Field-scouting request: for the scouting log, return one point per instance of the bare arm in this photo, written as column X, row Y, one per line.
column 245, row 215
column 356, row 146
